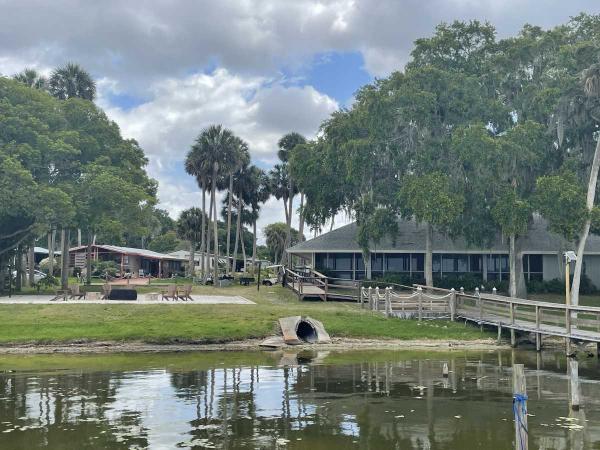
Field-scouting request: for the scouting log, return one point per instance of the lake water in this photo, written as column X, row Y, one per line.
column 274, row 400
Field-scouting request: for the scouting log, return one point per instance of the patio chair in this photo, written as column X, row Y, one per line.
column 75, row 292
column 106, row 289
column 170, row 293
column 60, row 294
column 185, row 294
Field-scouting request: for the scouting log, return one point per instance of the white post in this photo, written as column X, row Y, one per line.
column 574, row 380
column 388, row 302
column 376, row 304
column 370, row 297
column 420, row 297
column 452, row 304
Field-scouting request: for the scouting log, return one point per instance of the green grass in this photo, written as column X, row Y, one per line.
column 184, row 322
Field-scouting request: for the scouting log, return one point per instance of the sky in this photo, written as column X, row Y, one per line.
column 166, row 69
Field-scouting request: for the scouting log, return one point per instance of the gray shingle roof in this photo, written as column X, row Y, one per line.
column 411, row 238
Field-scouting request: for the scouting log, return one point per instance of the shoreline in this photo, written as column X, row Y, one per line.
column 107, row 347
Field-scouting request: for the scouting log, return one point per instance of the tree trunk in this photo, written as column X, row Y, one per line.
column 51, row 239
column 208, row 239
column 428, row 255
column 237, row 234
column 288, row 234
column 243, row 248
column 191, row 261
column 591, row 193
column 202, row 232
column 215, row 227
column 88, row 260
column 512, row 267
column 64, row 252
column 254, row 246
column 18, row 269
column 78, row 237
column 31, row 265
column 301, row 225
column 229, row 205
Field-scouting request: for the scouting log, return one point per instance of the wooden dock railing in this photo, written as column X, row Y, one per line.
column 581, row 323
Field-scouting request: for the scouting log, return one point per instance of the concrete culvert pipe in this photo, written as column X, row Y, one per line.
column 306, row 332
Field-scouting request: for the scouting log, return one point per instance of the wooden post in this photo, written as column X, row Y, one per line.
column 452, row 304
column 480, row 304
column 370, row 297
column 388, row 301
column 574, row 381
column 494, row 291
column 538, row 335
column 520, row 407
column 376, row 304
column 499, row 333
column 420, row 297
column 445, row 370
column 462, row 290
column 568, row 329
column 513, row 341
column 359, row 290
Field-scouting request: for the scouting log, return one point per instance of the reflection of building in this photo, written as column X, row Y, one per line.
column 137, row 261
column 339, row 255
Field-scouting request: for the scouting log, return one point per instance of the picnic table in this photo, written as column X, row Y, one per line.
column 245, row 281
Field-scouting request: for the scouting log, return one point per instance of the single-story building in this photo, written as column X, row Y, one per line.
column 138, row 262
column 209, row 259
column 42, row 253
column 338, row 254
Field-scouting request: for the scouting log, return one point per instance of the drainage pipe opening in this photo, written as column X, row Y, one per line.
column 306, row 332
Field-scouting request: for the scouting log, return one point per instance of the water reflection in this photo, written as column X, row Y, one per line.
column 375, row 400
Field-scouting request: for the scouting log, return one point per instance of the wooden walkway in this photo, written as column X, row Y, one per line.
column 574, row 323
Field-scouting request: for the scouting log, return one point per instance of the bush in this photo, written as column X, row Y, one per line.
column 557, row 286
column 45, row 266
column 104, row 269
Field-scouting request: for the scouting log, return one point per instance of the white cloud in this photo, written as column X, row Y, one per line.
column 257, row 109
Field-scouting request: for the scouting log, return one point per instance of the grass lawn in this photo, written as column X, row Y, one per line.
column 185, row 322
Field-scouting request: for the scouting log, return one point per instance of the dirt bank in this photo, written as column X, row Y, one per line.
column 250, row 344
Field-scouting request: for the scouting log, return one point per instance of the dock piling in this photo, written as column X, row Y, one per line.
column 520, row 407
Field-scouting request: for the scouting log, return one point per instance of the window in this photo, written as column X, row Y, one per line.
column 397, row 263
column 418, row 262
column 376, row 262
column 533, row 267
column 321, row 261
column 342, row 261
column 497, row 267
column 476, row 263
column 358, row 262
column 454, row 263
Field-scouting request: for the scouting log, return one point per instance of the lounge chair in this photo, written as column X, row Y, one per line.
column 106, row 289
column 170, row 293
column 185, row 294
column 75, row 291
column 60, row 294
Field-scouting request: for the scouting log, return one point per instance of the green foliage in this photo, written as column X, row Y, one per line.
column 165, row 243
column 561, row 200
column 104, row 269
column 275, row 235
column 430, row 198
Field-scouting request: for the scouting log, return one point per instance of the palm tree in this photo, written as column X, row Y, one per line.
column 590, row 80
column 31, row 78
column 195, row 165
column 241, row 159
column 211, row 156
column 287, row 144
column 260, row 193
column 189, row 229
column 71, row 80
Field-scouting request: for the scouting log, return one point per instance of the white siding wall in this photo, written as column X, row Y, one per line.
column 552, row 267
column 592, row 268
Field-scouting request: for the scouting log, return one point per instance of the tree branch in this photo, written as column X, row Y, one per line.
column 13, row 234
column 10, row 247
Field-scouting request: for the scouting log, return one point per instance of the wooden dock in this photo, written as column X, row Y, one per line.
column 573, row 323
